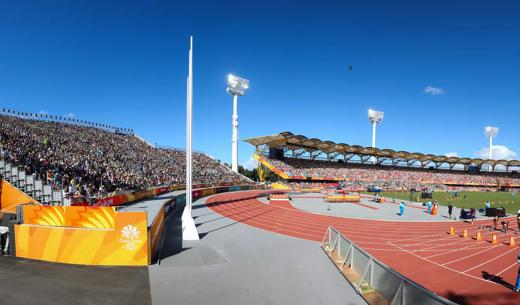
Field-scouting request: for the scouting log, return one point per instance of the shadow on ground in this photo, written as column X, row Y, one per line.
column 172, row 242
column 35, row 282
column 498, row 298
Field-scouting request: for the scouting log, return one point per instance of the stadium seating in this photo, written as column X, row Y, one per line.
column 391, row 177
column 45, row 157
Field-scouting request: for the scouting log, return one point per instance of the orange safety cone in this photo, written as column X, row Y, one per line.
column 465, row 234
column 452, row 231
column 494, row 239
column 512, row 242
column 479, row 236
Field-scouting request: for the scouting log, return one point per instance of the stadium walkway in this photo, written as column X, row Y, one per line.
column 234, row 263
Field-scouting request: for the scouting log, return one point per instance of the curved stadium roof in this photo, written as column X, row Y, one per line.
column 288, row 140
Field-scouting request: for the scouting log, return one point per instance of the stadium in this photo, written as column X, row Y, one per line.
column 94, row 211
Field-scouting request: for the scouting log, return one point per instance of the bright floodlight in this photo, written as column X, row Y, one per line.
column 491, row 132
column 237, row 85
column 375, row 116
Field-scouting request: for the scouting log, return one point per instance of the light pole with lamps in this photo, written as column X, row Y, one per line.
column 375, row 117
column 236, row 87
column 491, row 133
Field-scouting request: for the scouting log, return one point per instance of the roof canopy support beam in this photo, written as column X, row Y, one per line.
column 297, row 152
column 411, row 162
column 314, row 154
column 332, row 156
column 380, row 160
column 364, row 158
column 347, row 157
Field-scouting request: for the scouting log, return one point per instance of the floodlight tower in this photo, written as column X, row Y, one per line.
column 236, row 86
column 375, row 117
column 491, row 133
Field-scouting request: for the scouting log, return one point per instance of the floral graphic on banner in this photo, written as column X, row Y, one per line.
column 130, row 237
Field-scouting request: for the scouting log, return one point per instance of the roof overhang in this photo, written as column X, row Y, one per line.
column 288, row 140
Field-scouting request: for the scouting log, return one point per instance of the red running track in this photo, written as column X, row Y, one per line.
column 465, row 271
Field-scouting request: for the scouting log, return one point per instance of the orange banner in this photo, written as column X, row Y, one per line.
column 11, row 197
column 74, row 216
column 126, row 244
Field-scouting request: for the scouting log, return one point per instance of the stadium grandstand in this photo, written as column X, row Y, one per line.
column 297, row 158
column 61, row 159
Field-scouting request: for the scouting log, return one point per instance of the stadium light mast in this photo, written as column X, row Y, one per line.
column 491, row 133
column 375, row 117
column 189, row 230
column 236, row 87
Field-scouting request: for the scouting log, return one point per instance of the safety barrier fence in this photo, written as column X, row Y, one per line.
column 373, row 280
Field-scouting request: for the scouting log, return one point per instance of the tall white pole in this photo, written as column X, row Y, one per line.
column 234, row 139
column 374, row 134
column 490, row 151
column 189, row 231
column 490, row 148
column 188, row 131
column 373, row 159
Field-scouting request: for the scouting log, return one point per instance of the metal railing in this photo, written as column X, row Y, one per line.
column 67, row 119
column 374, row 281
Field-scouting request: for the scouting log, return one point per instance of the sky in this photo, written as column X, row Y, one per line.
column 440, row 70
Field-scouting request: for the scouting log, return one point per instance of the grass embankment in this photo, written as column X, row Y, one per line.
column 466, row 199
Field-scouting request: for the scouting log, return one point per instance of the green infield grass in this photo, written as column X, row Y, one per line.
column 475, row 200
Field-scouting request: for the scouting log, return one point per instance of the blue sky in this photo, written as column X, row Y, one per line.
column 124, row 63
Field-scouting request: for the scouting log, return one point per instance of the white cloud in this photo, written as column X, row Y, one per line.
column 42, row 112
column 434, row 90
column 500, row 152
column 69, row 115
column 250, row 164
column 451, row 154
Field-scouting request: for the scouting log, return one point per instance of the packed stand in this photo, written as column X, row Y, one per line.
column 90, row 162
column 390, row 177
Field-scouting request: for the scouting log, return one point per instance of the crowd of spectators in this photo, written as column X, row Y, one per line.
column 392, row 177
column 91, row 162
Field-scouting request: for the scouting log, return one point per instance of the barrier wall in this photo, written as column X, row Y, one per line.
column 97, row 235
column 83, row 235
column 11, row 197
column 344, row 198
column 129, row 197
column 155, row 232
column 373, row 280
column 139, row 195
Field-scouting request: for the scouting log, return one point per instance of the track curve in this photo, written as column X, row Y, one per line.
column 464, row 270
